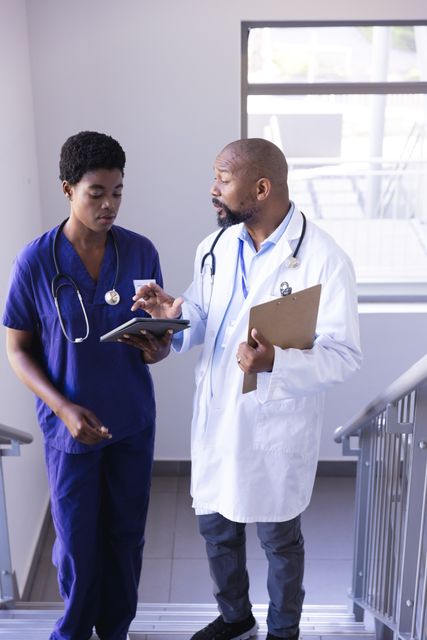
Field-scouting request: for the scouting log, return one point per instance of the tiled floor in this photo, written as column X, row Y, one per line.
column 175, row 568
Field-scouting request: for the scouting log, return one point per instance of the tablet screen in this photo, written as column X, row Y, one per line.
column 156, row 326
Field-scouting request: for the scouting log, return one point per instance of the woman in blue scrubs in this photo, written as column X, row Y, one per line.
column 95, row 401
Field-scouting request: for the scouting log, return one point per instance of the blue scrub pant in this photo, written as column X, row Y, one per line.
column 99, row 503
column 284, row 547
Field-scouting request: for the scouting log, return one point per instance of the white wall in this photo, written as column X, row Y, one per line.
column 393, row 338
column 26, row 487
column 163, row 77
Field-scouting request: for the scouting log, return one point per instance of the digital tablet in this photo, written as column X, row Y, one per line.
column 153, row 325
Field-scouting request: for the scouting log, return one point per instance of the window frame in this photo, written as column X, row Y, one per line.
column 376, row 291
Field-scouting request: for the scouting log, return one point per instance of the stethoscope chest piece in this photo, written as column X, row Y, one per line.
column 112, row 297
column 292, row 262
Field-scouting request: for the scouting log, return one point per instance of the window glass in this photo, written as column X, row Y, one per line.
column 357, row 160
column 336, row 54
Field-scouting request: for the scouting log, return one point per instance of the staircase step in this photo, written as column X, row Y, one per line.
column 180, row 620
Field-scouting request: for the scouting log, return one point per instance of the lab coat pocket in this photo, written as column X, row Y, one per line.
column 281, row 425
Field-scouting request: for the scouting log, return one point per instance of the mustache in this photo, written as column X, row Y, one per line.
column 218, row 203
column 229, row 218
column 228, row 212
column 232, row 217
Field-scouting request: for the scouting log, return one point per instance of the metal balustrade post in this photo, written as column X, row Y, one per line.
column 382, row 631
column 10, row 441
column 415, row 514
column 361, row 520
column 7, row 582
column 372, row 517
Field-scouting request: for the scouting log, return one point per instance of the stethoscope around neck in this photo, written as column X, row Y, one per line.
column 60, row 280
column 209, row 259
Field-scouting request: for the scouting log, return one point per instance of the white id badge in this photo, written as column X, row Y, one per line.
column 227, row 334
column 141, row 283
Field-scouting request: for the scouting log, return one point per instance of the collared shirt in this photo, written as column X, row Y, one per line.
column 249, row 265
column 110, row 379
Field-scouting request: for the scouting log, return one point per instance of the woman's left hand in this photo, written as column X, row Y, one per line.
column 153, row 348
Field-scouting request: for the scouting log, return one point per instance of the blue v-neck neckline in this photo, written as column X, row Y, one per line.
column 71, row 263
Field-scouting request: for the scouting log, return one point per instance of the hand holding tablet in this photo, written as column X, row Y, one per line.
column 157, row 327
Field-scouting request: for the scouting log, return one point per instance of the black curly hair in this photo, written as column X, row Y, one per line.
column 89, row 151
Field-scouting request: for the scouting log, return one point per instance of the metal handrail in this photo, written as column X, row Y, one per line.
column 15, row 435
column 390, row 564
column 10, row 442
column 413, row 378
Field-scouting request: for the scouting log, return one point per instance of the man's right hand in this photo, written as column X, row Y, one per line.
column 152, row 299
column 83, row 425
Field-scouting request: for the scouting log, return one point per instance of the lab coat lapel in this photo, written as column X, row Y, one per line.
column 227, row 252
column 281, row 252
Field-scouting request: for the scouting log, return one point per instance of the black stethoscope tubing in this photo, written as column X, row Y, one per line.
column 56, row 285
column 301, row 238
column 210, row 254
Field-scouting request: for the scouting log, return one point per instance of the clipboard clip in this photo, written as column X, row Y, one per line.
column 285, row 289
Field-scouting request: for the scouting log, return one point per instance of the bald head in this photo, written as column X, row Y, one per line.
column 259, row 158
column 250, row 186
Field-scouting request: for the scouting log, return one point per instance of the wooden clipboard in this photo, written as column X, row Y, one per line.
column 289, row 321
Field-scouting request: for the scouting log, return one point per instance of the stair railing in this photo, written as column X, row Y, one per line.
column 10, row 443
column 390, row 547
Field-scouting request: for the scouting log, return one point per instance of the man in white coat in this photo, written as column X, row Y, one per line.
column 254, row 455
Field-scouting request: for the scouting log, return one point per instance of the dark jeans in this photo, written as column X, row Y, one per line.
column 284, row 547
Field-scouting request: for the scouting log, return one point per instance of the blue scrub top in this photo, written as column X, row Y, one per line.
column 110, row 379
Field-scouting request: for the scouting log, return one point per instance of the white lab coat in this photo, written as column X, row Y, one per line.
column 254, row 455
